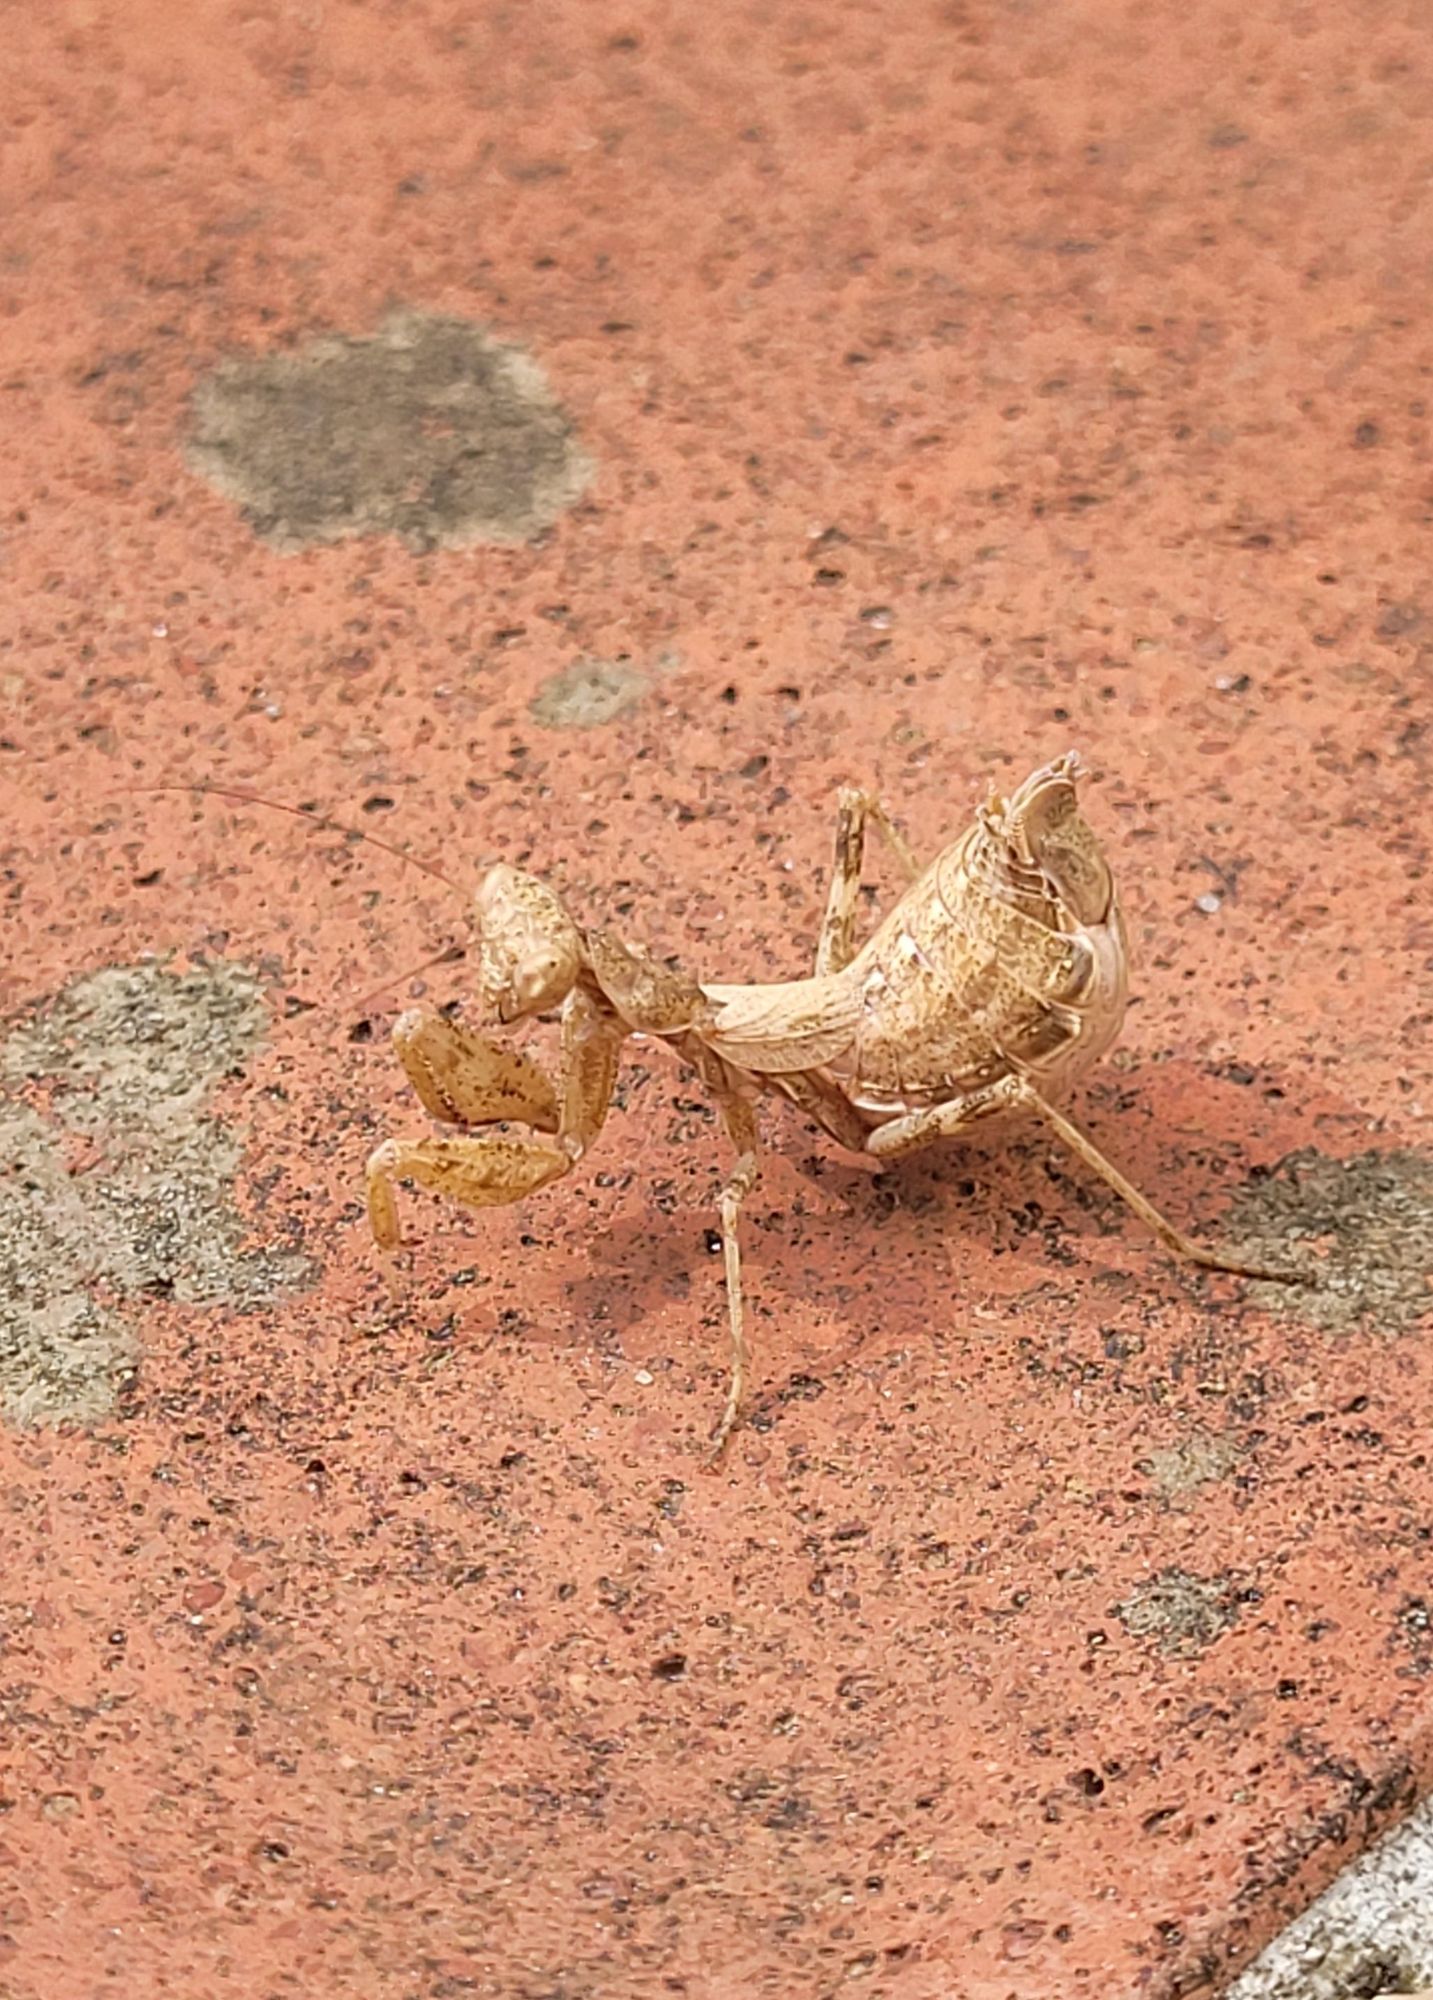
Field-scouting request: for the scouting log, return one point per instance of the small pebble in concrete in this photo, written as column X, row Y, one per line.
column 1180, row 1470
column 1184, row 1613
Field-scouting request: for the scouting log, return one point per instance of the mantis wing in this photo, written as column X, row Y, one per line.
column 774, row 1030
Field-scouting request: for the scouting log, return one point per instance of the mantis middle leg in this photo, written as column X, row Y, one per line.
column 738, row 1114
column 740, row 1122
column 837, row 943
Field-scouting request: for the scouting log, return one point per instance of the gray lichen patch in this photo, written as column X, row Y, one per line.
column 430, row 430
column 118, row 1183
column 1178, row 1470
column 1371, row 1216
column 1185, row 1613
column 587, row 694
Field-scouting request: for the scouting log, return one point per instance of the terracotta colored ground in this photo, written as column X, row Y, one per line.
column 953, row 383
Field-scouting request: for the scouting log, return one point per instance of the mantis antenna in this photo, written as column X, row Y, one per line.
column 451, row 952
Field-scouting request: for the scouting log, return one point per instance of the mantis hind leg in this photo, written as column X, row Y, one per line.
column 1174, row 1240
column 1014, row 1093
column 856, row 808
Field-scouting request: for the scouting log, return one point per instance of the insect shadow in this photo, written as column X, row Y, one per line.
column 996, row 980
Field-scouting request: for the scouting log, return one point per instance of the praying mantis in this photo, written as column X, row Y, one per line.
column 994, row 982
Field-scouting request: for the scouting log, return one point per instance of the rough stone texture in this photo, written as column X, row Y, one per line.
column 1376, row 1209
column 1369, row 1936
column 119, row 1184
column 961, row 383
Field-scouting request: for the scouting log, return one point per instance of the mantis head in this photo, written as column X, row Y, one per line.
column 529, row 949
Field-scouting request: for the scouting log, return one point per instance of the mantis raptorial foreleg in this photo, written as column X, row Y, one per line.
column 464, row 1079
column 460, row 1080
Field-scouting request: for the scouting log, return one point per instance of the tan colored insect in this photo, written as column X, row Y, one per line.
column 995, row 981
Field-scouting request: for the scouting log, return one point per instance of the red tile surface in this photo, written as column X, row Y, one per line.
column 959, row 382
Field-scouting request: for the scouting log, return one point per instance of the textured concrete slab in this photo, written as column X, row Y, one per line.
column 906, row 396
column 1370, row 1933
